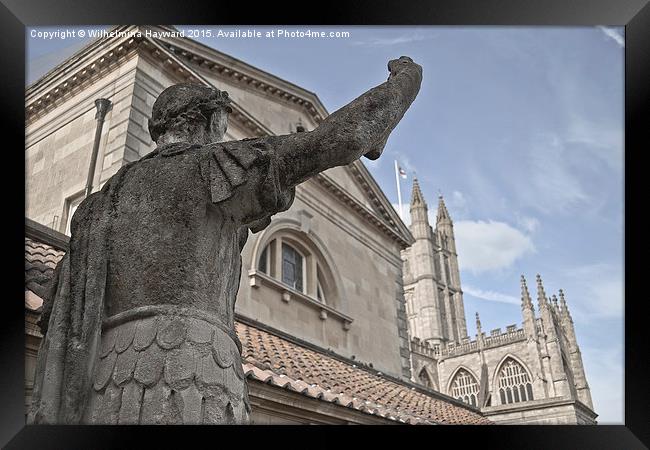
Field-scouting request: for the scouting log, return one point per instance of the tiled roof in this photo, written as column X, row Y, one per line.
column 40, row 261
column 279, row 362
column 285, row 364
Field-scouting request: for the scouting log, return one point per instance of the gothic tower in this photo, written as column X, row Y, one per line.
column 431, row 276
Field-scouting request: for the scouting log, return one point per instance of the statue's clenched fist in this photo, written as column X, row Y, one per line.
column 396, row 66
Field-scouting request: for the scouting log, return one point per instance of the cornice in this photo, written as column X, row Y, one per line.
column 379, row 200
column 238, row 72
column 37, row 105
column 357, row 206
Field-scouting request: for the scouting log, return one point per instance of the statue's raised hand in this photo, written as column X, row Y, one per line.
column 404, row 79
column 401, row 64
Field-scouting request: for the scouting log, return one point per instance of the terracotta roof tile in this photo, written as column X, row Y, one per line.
column 279, row 362
column 40, row 261
column 334, row 380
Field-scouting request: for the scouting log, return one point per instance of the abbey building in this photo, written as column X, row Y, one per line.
column 532, row 374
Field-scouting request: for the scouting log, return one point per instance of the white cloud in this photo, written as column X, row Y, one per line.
column 614, row 35
column 491, row 296
column 486, row 246
column 605, row 141
column 402, row 39
column 483, row 246
column 552, row 184
column 530, row 224
column 595, row 291
column 605, row 375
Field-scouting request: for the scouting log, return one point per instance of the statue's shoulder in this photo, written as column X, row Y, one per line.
column 246, row 144
column 245, row 151
column 174, row 149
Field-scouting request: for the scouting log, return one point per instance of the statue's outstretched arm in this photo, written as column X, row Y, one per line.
column 359, row 128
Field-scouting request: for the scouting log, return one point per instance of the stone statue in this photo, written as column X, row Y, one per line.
column 138, row 323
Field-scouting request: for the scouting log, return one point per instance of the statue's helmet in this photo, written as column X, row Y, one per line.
column 185, row 102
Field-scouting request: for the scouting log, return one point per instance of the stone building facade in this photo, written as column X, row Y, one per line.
column 532, row 374
column 320, row 309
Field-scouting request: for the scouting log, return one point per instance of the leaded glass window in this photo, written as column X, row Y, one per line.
column 514, row 383
column 464, row 387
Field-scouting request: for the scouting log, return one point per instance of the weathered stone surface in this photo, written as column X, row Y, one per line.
column 150, row 364
column 145, row 333
column 171, row 332
column 172, row 226
column 192, row 405
column 124, row 366
column 221, row 349
column 108, row 342
column 179, row 367
column 110, row 405
column 131, row 404
column 200, row 331
column 125, row 336
column 104, row 370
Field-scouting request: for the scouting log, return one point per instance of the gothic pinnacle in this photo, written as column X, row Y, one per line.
column 478, row 325
column 525, row 295
column 565, row 308
column 417, row 199
column 443, row 214
column 555, row 305
column 541, row 295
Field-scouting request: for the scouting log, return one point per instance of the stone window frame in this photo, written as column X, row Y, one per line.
column 318, row 269
column 467, row 393
column 518, row 385
column 430, row 383
column 70, row 205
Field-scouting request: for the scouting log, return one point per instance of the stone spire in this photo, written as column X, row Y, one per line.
column 526, row 302
column 479, row 333
column 420, row 227
column 417, row 199
column 564, row 308
column 528, row 311
column 555, row 305
column 443, row 215
column 541, row 295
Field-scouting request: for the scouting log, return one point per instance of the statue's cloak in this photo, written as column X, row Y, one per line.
column 74, row 305
column 72, row 314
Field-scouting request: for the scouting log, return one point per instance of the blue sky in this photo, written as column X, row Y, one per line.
column 521, row 130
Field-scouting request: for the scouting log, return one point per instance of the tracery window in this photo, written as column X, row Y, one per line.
column 514, row 383
column 464, row 387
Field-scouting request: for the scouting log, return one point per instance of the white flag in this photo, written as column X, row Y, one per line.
column 402, row 172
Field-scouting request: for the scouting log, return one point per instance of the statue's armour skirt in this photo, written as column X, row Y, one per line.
column 167, row 368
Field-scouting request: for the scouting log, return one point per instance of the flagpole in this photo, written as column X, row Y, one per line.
column 399, row 192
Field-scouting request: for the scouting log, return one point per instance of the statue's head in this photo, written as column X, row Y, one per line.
column 189, row 113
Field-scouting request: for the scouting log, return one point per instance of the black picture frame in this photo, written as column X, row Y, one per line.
column 633, row 14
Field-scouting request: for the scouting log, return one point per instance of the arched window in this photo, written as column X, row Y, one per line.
column 514, row 383
column 424, row 378
column 293, row 259
column 464, row 387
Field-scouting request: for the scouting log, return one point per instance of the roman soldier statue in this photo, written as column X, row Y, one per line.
column 138, row 323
